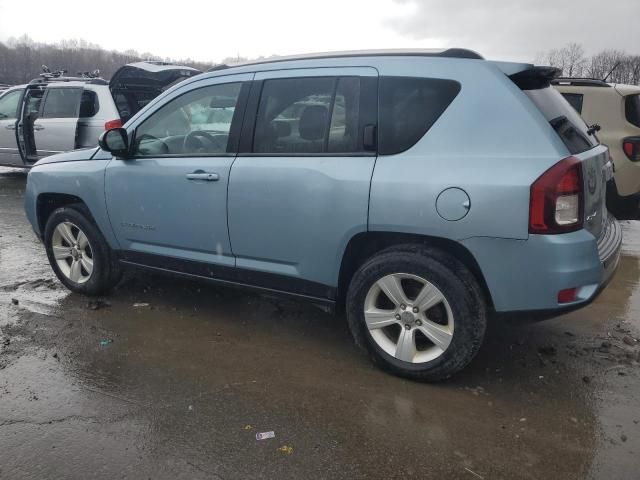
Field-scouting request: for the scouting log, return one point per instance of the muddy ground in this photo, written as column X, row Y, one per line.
column 178, row 388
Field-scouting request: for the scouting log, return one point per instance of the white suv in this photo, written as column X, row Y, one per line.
column 616, row 108
column 56, row 113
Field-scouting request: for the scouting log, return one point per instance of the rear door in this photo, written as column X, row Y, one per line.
column 56, row 128
column 9, row 152
column 299, row 189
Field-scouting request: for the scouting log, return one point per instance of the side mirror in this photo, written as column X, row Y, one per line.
column 115, row 141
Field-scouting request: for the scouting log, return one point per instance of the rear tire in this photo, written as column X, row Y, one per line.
column 78, row 253
column 431, row 332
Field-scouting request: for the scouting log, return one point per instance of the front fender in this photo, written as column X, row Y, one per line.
column 84, row 180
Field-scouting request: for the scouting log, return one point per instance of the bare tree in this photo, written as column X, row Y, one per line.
column 616, row 66
column 21, row 58
column 573, row 60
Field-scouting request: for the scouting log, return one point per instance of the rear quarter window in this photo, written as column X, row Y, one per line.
column 632, row 109
column 409, row 107
column 89, row 105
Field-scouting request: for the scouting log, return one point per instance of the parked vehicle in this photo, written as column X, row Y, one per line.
column 56, row 113
column 616, row 109
column 424, row 191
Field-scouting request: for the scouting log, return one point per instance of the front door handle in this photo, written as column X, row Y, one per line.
column 10, row 127
column 200, row 175
column 38, row 127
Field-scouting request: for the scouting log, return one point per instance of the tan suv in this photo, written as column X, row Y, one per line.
column 616, row 108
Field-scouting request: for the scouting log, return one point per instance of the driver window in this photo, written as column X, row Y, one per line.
column 196, row 123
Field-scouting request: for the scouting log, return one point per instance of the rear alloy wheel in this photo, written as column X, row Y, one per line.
column 408, row 318
column 418, row 311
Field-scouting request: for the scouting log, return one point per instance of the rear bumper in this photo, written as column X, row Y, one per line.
column 525, row 276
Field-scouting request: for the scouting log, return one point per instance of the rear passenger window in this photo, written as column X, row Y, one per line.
column 632, row 109
column 308, row 115
column 62, row 103
column 575, row 100
column 88, row 104
column 409, row 107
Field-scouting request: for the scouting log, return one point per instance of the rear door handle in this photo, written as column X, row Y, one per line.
column 10, row 127
column 200, row 175
column 38, row 127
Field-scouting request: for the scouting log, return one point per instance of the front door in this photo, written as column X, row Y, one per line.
column 9, row 152
column 300, row 190
column 168, row 203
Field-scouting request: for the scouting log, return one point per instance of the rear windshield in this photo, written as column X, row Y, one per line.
column 564, row 119
column 632, row 109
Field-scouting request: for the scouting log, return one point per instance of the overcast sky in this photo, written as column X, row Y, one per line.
column 212, row 30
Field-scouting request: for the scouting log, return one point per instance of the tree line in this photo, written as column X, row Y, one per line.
column 21, row 59
column 616, row 66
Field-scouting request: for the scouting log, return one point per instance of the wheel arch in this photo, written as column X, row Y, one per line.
column 47, row 203
column 364, row 245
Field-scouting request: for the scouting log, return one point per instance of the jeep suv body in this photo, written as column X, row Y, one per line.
column 616, row 108
column 55, row 113
column 423, row 190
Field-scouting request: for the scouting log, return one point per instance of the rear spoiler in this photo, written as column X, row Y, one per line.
column 535, row 78
column 528, row 76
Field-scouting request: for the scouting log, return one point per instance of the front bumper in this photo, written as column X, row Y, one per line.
column 525, row 276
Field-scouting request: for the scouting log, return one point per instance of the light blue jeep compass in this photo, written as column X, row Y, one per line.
column 426, row 191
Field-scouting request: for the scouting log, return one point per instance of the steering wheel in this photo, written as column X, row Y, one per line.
column 163, row 146
column 193, row 142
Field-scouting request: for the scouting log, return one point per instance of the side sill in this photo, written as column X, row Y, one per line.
column 324, row 304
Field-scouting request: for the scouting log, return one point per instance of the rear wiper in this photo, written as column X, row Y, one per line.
column 593, row 129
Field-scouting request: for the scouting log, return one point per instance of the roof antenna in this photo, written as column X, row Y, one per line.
column 611, row 71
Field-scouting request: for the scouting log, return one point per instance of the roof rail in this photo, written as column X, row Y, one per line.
column 92, row 81
column 220, row 66
column 445, row 53
column 580, row 82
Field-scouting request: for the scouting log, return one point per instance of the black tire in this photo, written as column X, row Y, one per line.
column 623, row 208
column 457, row 284
column 106, row 273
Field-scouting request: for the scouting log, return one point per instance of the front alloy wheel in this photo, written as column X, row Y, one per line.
column 72, row 251
column 78, row 252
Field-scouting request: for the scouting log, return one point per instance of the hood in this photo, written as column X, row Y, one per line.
column 72, row 156
column 152, row 75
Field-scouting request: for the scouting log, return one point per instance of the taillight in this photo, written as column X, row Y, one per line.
column 113, row 124
column 557, row 199
column 631, row 147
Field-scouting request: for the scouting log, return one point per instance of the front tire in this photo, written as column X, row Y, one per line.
column 78, row 253
column 417, row 311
